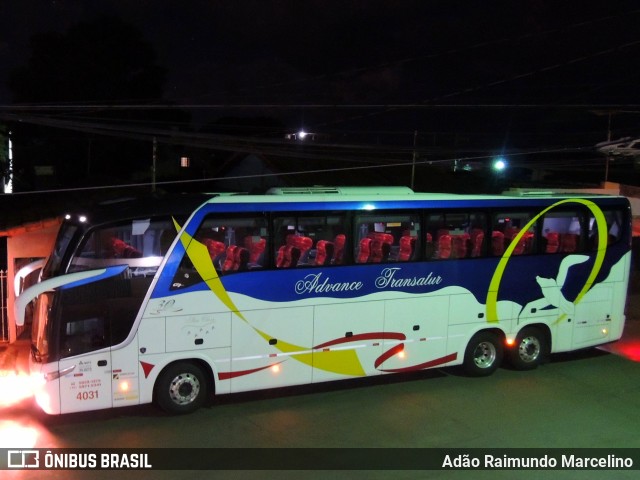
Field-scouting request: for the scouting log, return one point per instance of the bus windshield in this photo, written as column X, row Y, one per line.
column 139, row 243
column 54, row 263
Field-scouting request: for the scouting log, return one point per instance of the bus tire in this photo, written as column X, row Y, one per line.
column 483, row 354
column 529, row 349
column 181, row 388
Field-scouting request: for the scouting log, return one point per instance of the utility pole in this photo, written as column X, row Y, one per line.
column 153, row 166
column 413, row 164
column 608, row 156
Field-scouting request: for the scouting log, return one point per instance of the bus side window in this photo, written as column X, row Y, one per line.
column 614, row 220
column 507, row 232
column 309, row 240
column 234, row 244
column 383, row 237
column 455, row 235
column 562, row 232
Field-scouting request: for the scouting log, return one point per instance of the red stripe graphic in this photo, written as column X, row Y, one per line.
column 240, row 373
column 431, row 363
column 364, row 336
column 388, row 354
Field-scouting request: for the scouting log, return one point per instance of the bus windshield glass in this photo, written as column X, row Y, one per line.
column 139, row 243
column 67, row 232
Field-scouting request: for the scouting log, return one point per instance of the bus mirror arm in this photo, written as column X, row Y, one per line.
column 23, row 273
column 32, row 292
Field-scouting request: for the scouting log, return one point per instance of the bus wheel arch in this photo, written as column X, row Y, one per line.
column 484, row 352
column 531, row 347
column 183, row 386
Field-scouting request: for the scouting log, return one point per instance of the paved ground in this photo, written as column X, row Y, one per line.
column 586, row 400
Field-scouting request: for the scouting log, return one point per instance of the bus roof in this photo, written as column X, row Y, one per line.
column 390, row 194
column 138, row 207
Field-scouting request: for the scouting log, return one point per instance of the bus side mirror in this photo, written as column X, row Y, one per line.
column 32, row 292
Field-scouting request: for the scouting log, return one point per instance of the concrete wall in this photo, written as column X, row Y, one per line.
column 28, row 242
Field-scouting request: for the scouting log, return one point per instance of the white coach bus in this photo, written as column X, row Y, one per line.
column 310, row 285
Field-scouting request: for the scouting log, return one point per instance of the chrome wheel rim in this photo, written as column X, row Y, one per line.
column 529, row 349
column 484, row 355
column 184, row 389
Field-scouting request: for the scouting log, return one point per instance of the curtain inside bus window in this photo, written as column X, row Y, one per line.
column 614, row 220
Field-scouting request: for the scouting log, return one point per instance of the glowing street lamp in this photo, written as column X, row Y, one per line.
column 499, row 164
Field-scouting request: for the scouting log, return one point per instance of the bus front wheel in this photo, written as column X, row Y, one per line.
column 181, row 388
column 483, row 354
column 528, row 350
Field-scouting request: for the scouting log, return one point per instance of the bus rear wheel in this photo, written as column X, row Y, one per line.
column 181, row 388
column 483, row 354
column 529, row 349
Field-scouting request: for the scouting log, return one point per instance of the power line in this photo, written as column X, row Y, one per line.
column 407, row 163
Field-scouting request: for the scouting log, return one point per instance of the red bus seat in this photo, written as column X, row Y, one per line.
column 477, row 240
column 338, row 251
column 444, row 246
column 256, row 246
column 407, row 245
column 227, row 266
column 568, row 242
column 553, row 242
column 324, row 252
column 459, row 245
column 380, row 247
column 497, row 243
column 241, row 259
column 430, row 248
column 364, row 250
column 214, row 247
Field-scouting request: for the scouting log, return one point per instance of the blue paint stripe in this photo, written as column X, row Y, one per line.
column 109, row 272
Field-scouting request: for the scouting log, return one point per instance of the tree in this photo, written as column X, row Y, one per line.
column 4, row 157
column 102, row 61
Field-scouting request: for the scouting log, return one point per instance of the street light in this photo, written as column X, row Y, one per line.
column 499, row 164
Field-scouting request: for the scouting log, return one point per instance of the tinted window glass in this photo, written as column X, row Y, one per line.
column 562, row 231
column 383, row 237
column 507, row 229
column 139, row 243
column 309, row 240
column 455, row 235
column 99, row 314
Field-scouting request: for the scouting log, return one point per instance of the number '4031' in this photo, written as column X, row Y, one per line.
column 88, row 395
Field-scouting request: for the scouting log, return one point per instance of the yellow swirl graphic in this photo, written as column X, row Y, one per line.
column 494, row 285
column 344, row 362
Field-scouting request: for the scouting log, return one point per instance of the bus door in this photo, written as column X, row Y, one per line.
column 86, row 382
column 85, row 363
column 94, row 319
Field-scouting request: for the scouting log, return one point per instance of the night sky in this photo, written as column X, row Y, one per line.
column 477, row 77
